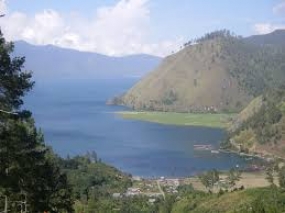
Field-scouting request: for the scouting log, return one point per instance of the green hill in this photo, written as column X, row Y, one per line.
column 220, row 72
column 251, row 200
column 260, row 127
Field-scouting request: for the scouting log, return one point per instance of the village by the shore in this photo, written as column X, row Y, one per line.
column 155, row 188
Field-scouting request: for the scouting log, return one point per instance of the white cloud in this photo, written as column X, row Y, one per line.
column 118, row 30
column 280, row 8
column 264, row 28
column 3, row 7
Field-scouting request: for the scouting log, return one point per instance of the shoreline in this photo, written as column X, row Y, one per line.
column 248, row 179
column 268, row 157
column 226, row 151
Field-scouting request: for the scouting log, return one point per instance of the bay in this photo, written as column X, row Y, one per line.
column 75, row 119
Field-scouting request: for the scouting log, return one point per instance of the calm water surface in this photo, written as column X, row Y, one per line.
column 75, row 119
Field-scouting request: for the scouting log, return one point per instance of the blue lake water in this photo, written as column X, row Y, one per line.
column 75, row 119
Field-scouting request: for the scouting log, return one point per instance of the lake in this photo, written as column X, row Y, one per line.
column 75, row 119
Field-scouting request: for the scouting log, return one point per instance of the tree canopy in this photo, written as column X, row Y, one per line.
column 30, row 178
column 14, row 82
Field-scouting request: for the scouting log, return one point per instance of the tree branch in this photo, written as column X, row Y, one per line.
column 10, row 113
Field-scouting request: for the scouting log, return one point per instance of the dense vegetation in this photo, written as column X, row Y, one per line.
column 213, row 35
column 249, row 201
column 95, row 182
column 264, row 128
column 256, row 68
column 30, row 179
column 232, row 199
column 187, row 200
column 219, row 72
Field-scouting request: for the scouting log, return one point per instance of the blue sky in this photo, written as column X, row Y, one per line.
column 120, row 27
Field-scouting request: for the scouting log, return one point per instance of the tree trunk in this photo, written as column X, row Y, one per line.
column 26, row 205
column 6, row 204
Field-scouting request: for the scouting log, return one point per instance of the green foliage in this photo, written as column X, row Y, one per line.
column 28, row 174
column 256, row 68
column 234, row 175
column 246, row 138
column 14, row 82
column 137, row 204
column 167, row 205
column 266, row 124
column 94, row 184
column 249, row 201
column 218, row 34
column 185, row 189
column 209, row 179
column 269, row 176
column 93, row 179
column 224, row 34
column 26, row 170
column 281, row 177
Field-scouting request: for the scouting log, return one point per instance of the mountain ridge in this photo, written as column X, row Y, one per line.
column 274, row 38
column 221, row 73
column 49, row 61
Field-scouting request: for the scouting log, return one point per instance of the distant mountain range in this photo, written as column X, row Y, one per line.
column 50, row 62
column 220, row 72
column 274, row 38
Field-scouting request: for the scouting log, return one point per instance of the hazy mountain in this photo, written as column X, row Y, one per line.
column 274, row 38
column 219, row 72
column 54, row 62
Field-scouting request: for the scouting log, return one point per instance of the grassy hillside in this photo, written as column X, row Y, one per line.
column 221, row 73
column 251, row 200
column 260, row 127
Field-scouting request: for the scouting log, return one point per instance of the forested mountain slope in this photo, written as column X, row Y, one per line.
column 260, row 127
column 218, row 72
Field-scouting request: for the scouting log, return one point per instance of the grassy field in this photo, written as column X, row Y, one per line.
column 248, row 180
column 183, row 119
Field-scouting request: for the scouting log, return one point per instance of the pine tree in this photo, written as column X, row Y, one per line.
column 29, row 175
column 14, row 82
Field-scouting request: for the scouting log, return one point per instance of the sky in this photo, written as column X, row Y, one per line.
column 124, row 27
